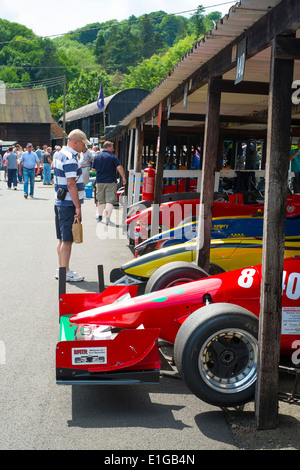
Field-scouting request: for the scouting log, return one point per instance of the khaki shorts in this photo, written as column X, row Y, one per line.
column 106, row 192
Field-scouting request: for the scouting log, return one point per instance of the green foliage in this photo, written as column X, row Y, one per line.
column 137, row 52
column 85, row 89
column 9, row 31
column 150, row 72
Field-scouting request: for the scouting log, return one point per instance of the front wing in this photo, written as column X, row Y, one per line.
column 128, row 356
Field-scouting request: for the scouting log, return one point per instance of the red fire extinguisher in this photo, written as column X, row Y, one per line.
column 148, row 184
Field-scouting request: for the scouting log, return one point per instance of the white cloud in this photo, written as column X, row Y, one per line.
column 62, row 16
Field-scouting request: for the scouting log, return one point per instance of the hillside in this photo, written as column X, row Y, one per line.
column 137, row 52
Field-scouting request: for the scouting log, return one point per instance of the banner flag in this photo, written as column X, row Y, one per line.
column 100, row 100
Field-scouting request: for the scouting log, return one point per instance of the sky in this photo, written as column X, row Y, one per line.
column 61, row 16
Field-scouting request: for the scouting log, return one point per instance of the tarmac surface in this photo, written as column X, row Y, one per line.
column 36, row 414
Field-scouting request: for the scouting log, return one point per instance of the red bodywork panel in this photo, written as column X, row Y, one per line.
column 138, row 350
column 69, row 304
column 144, row 319
column 172, row 213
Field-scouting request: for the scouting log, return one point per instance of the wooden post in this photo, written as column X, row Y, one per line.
column 138, row 164
column 279, row 122
column 160, row 163
column 140, row 148
column 210, row 157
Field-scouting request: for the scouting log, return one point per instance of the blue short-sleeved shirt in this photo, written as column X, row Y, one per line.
column 105, row 165
column 12, row 159
column 39, row 153
column 29, row 159
column 295, row 163
column 66, row 165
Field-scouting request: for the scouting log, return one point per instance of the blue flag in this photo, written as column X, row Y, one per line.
column 100, row 100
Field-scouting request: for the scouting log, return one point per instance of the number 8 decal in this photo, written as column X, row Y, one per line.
column 246, row 278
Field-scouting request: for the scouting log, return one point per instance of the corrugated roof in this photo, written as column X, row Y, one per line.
column 86, row 111
column 25, row 106
column 240, row 17
column 122, row 97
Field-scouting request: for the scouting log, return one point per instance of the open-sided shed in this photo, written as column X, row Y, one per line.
column 243, row 75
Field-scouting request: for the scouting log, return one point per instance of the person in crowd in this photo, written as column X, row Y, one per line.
column 105, row 165
column 69, row 196
column 295, row 167
column 96, row 149
column 18, row 150
column 12, row 167
column 28, row 160
column 195, row 164
column 47, row 161
column 57, row 148
column 86, row 158
column 5, row 166
column 1, row 159
column 39, row 152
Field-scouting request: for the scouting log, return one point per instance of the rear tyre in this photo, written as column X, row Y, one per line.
column 216, row 352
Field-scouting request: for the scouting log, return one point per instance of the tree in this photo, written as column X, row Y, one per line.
column 146, row 37
column 198, row 22
column 150, row 72
column 211, row 19
column 121, row 50
column 85, row 89
column 85, row 35
column 76, row 53
column 99, row 49
column 172, row 28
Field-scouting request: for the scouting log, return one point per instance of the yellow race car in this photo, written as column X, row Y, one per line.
column 225, row 255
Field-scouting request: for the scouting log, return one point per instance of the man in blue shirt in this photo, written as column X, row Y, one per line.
column 295, row 167
column 105, row 165
column 12, row 166
column 39, row 152
column 69, row 195
column 28, row 161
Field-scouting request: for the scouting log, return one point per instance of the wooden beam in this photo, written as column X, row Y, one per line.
column 255, row 119
column 277, row 165
column 244, row 87
column 211, row 141
column 283, row 17
column 287, row 48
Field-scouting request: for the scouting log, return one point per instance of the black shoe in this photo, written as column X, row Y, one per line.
column 99, row 218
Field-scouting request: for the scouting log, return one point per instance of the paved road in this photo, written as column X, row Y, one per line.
column 38, row 414
column 35, row 412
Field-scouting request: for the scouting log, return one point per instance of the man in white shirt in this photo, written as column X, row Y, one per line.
column 69, row 195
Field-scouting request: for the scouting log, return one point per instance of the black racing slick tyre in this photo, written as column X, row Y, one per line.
column 174, row 274
column 216, row 352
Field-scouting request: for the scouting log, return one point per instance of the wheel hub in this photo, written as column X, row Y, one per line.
column 228, row 360
column 227, row 357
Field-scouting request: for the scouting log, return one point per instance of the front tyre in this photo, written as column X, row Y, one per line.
column 174, row 274
column 216, row 352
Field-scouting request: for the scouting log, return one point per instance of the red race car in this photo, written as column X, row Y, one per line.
column 115, row 336
column 175, row 213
